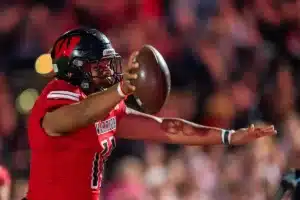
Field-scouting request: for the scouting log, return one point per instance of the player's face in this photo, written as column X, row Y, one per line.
column 102, row 73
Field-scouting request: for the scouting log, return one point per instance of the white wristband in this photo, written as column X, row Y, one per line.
column 226, row 136
column 229, row 136
column 120, row 92
column 223, row 135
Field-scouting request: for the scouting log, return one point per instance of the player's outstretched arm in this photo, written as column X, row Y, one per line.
column 69, row 118
column 140, row 126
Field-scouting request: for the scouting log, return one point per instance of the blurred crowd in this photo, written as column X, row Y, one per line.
column 232, row 63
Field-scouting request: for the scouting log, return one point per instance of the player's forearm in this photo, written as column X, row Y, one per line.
column 139, row 126
column 71, row 117
column 212, row 137
column 193, row 134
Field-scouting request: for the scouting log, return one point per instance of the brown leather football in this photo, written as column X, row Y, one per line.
column 154, row 82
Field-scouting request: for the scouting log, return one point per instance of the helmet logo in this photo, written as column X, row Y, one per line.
column 109, row 52
column 65, row 46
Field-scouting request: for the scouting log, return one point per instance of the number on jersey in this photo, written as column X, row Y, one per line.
column 100, row 157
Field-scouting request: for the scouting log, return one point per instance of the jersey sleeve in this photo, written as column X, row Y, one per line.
column 59, row 95
column 56, row 94
column 57, row 98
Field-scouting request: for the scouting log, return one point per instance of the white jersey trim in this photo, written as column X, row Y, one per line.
column 63, row 95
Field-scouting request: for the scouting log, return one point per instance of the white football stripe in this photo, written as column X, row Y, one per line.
column 65, row 92
column 62, row 96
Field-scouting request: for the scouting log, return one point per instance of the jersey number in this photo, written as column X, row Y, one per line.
column 107, row 146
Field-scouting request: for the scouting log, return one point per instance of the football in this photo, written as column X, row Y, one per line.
column 154, row 82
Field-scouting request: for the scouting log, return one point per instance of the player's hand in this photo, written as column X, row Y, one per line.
column 129, row 74
column 246, row 135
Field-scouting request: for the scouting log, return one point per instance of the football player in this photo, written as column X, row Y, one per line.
column 74, row 122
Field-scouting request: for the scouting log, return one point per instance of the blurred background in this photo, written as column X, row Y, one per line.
column 232, row 62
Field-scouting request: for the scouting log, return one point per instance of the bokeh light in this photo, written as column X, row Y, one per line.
column 26, row 100
column 43, row 64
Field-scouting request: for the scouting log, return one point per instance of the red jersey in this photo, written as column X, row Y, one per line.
column 70, row 166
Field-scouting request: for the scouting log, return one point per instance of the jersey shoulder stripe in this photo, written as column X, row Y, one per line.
column 60, row 94
column 64, row 93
